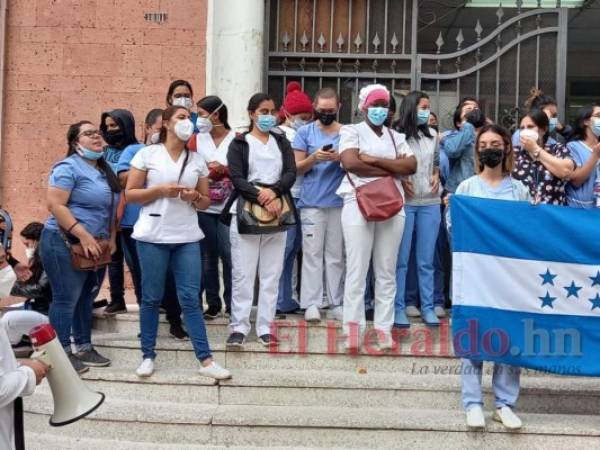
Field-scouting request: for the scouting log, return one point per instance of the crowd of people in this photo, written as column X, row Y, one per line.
column 276, row 216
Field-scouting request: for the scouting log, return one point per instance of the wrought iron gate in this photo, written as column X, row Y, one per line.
column 346, row 44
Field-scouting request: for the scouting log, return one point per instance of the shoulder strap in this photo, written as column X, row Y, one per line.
column 393, row 141
column 185, row 161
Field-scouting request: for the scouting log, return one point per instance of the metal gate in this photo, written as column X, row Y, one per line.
column 346, row 44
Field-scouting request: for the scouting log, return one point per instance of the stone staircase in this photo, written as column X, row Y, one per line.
column 308, row 395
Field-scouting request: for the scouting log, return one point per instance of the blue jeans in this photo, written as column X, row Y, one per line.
column 293, row 244
column 215, row 245
column 425, row 221
column 185, row 262
column 73, row 292
column 132, row 260
column 440, row 271
column 505, row 383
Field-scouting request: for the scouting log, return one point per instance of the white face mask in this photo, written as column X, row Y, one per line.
column 204, row 125
column 8, row 278
column 530, row 134
column 184, row 129
column 29, row 252
column 186, row 102
column 155, row 138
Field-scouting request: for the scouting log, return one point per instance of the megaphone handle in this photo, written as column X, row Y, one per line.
column 42, row 356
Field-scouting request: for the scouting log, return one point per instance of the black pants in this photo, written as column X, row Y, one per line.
column 116, row 275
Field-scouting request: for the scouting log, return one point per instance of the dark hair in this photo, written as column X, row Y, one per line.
column 210, row 103
column 327, row 92
column 407, row 121
column 103, row 166
column 174, row 85
column 583, row 114
column 508, row 161
column 456, row 117
column 538, row 100
column 393, row 108
column 152, row 115
column 541, row 120
column 32, row 231
column 255, row 102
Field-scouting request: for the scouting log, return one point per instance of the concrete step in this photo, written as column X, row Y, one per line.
column 47, row 441
column 297, row 335
column 124, row 350
column 322, row 427
column 350, row 389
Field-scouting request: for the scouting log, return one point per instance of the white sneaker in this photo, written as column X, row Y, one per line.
column 214, row 371
column 439, row 311
column 413, row 311
column 386, row 343
column 146, row 368
column 508, row 418
column 312, row 314
column 336, row 313
column 475, row 418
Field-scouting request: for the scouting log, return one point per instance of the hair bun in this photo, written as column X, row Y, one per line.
column 293, row 86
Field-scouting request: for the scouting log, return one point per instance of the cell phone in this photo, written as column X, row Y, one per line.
column 328, row 148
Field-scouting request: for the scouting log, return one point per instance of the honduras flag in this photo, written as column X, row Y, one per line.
column 526, row 285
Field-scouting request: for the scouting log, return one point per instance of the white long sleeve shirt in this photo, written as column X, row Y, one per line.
column 15, row 381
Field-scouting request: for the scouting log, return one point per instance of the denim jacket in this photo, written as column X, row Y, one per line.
column 460, row 149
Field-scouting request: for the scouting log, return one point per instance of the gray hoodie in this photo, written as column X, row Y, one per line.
column 427, row 152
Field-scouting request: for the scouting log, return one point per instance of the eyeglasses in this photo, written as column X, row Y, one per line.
column 90, row 133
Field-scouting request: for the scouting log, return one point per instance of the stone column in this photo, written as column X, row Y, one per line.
column 235, row 54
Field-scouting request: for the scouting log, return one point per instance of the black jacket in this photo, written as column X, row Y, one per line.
column 126, row 123
column 237, row 161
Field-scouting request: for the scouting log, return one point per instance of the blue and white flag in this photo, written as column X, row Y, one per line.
column 526, row 284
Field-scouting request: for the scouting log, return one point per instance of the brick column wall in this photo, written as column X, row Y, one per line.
column 69, row 60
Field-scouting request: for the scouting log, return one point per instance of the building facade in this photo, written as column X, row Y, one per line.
column 68, row 60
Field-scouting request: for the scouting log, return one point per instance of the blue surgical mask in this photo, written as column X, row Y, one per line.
column 298, row 123
column 596, row 126
column 377, row 115
column 89, row 154
column 423, row 116
column 265, row 122
column 553, row 122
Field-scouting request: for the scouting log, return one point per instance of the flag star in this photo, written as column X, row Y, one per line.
column 547, row 277
column 595, row 302
column 572, row 290
column 547, row 300
column 596, row 279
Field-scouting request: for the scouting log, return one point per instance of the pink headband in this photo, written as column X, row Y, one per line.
column 374, row 96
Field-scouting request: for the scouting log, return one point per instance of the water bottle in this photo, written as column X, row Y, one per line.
column 597, row 187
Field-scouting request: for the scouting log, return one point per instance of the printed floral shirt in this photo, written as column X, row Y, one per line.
column 543, row 186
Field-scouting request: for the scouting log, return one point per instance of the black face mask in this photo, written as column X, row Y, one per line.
column 491, row 157
column 113, row 137
column 325, row 118
column 476, row 118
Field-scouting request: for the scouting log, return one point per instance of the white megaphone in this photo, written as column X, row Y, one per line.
column 72, row 399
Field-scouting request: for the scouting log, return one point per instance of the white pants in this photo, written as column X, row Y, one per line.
column 250, row 252
column 322, row 241
column 363, row 240
column 19, row 323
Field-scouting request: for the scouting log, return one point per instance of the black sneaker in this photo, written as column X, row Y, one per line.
column 235, row 340
column 267, row 339
column 77, row 364
column 115, row 308
column 177, row 332
column 212, row 312
column 92, row 358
